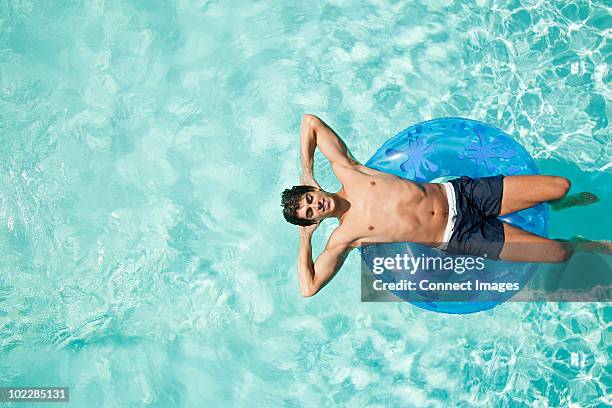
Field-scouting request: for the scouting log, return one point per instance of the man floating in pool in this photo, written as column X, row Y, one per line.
column 373, row 206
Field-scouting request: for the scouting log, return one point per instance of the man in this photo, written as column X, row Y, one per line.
column 373, row 206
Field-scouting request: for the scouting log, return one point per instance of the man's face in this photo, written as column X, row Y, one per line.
column 315, row 205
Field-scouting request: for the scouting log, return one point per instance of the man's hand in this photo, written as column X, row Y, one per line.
column 308, row 230
column 309, row 180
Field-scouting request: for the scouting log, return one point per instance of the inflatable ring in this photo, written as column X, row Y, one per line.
column 446, row 148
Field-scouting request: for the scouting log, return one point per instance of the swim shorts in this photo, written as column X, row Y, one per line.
column 473, row 227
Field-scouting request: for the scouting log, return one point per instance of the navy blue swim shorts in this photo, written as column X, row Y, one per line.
column 473, row 227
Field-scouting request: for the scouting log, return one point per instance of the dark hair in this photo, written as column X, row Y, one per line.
column 290, row 201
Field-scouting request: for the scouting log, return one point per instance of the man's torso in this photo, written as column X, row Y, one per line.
column 387, row 208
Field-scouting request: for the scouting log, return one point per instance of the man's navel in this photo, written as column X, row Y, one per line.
column 372, row 183
column 371, row 228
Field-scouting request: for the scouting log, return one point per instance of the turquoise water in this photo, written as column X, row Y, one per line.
column 143, row 147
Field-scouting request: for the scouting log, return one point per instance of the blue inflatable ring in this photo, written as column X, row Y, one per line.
column 453, row 147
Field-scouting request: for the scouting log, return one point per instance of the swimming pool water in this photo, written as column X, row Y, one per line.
column 143, row 148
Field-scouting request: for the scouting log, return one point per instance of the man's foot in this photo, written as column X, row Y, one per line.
column 595, row 247
column 584, row 198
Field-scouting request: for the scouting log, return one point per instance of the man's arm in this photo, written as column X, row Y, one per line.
column 316, row 133
column 313, row 276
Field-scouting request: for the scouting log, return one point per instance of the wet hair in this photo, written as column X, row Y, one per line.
column 290, row 201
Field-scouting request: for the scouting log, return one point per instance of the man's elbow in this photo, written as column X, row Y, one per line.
column 309, row 292
column 310, row 120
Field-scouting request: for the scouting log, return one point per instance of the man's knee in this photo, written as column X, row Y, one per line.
column 561, row 185
column 560, row 252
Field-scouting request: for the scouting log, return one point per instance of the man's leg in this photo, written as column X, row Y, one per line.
column 579, row 243
column 523, row 246
column 584, row 198
column 522, row 192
